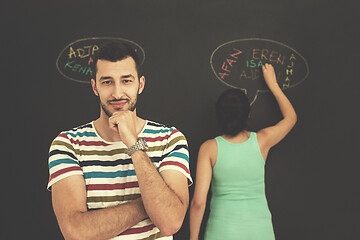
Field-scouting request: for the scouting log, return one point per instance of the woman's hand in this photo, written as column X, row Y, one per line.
column 269, row 75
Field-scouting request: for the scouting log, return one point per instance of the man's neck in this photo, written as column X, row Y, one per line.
column 103, row 128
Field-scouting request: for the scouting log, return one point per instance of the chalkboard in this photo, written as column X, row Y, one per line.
column 191, row 52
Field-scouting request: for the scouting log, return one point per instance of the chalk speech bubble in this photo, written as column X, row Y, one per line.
column 238, row 64
column 74, row 60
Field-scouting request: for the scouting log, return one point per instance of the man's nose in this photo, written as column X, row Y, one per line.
column 117, row 91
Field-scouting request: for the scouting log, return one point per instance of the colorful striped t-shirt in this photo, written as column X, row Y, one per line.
column 108, row 171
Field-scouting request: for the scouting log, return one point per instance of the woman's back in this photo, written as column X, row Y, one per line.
column 239, row 208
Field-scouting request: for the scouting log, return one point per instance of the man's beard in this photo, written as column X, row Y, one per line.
column 132, row 106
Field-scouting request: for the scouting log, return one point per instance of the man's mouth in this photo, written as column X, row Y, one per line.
column 118, row 104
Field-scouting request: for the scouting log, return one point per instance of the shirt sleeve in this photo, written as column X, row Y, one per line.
column 62, row 160
column 176, row 155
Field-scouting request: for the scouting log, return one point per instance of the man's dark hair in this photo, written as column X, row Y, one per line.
column 232, row 110
column 115, row 51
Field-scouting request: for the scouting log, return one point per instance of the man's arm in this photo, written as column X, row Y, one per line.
column 69, row 203
column 165, row 195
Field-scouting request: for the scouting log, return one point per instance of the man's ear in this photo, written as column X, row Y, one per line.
column 141, row 84
column 93, row 85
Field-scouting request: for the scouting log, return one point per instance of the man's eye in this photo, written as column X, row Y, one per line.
column 106, row 82
column 126, row 81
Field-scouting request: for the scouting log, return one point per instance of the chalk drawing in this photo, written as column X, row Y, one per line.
column 238, row 65
column 73, row 62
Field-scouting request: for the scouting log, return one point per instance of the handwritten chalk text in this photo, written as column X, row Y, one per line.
column 82, row 52
column 76, row 67
column 268, row 56
column 289, row 71
column 228, row 63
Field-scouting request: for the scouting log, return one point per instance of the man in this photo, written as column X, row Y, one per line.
column 120, row 176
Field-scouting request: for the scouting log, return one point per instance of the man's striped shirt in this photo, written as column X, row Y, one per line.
column 108, row 171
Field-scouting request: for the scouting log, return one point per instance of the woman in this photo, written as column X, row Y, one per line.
column 234, row 162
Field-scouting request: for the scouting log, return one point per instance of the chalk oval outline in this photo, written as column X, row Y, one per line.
column 257, row 39
column 94, row 38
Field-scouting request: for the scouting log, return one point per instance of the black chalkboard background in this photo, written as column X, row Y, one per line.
column 312, row 181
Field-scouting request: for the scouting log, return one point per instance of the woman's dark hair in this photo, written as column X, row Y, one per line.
column 115, row 51
column 232, row 110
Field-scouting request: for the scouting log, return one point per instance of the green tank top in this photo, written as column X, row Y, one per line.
column 239, row 208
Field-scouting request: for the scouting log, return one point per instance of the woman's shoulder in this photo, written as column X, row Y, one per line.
column 208, row 150
column 210, row 143
column 209, row 147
